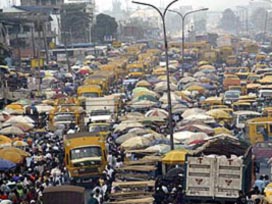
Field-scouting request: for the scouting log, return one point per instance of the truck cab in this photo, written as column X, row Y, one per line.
column 85, row 155
column 89, row 91
column 135, row 70
column 259, row 129
column 231, row 96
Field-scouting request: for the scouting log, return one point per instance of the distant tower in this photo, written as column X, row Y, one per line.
column 11, row 2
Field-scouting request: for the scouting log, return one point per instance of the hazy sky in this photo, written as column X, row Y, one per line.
column 211, row 4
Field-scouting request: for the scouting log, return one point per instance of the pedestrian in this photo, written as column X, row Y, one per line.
column 98, row 196
column 241, row 199
column 260, row 183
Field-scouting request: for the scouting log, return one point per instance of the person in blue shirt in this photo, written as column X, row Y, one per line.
column 260, row 183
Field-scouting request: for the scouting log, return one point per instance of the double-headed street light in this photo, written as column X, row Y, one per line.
column 183, row 16
column 162, row 15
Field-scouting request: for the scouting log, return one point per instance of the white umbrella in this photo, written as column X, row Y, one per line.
column 192, row 111
column 199, row 117
column 186, row 80
column 89, row 57
column 160, row 148
column 127, row 125
column 143, row 104
column 162, row 86
column 174, row 98
column 20, row 119
column 157, row 112
column 12, row 130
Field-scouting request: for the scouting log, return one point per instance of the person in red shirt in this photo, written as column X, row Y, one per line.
column 3, row 196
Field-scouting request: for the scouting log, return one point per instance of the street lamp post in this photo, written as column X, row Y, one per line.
column 162, row 15
column 183, row 16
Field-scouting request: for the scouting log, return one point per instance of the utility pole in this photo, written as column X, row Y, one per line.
column 162, row 15
column 44, row 31
column 33, row 41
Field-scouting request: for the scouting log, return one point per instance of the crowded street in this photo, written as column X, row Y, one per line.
column 156, row 119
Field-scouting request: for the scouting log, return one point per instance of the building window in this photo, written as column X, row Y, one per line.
column 53, row 2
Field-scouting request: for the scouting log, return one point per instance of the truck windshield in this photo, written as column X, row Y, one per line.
column 243, row 77
column 265, row 94
column 100, row 112
column 90, row 95
column 136, row 70
column 83, row 152
column 64, row 117
column 99, row 128
column 232, row 94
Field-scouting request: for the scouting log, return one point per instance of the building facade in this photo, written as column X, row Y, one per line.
column 42, row 2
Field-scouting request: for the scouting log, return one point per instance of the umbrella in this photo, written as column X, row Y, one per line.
column 89, row 57
column 199, row 74
column 20, row 119
column 6, row 165
column 14, row 109
column 132, row 116
column 127, row 125
column 201, row 63
column 160, row 148
column 221, row 130
column 196, row 128
column 179, row 108
column 210, row 67
column 24, row 126
column 196, row 88
column 164, row 79
column 20, row 144
column 139, row 89
column 192, row 111
column 84, row 71
column 218, row 114
column 14, row 150
column 186, row 80
column 143, row 83
column 157, row 113
column 137, row 142
column 131, row 133
column 23, row 102
column 174, row 97
column 162, row 86
column 143, row 104
column 146, row 97
column 12, row 130
column 199, row 117
column 145, row 93
column 5, row 141
column 175, row 157
column 11, row 156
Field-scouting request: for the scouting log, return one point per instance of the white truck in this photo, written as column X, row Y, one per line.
column 101, row 109
column 216, row 178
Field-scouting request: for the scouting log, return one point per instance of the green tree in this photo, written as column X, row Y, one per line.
column 75, row 23
column 105, row 26
column 229, row 21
